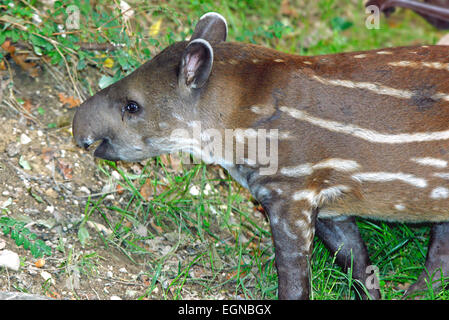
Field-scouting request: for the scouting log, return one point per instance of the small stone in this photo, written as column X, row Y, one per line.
column 47, row 277
column 84, row 190
column 50, row 192
column 194, row 191
column 13, row 149
column 9, row 260
column 131, row 293
column 123, row 270
column 24, row 139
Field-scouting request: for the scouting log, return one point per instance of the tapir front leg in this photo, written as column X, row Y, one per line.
column 342, row 237
column 292, row 226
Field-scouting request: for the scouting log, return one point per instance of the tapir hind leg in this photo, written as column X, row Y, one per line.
column 342, row 235
column 437, row 260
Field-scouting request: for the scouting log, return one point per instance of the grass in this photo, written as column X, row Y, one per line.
column 221, row 244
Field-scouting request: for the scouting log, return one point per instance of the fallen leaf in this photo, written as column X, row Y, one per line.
column 156, row 227
column 287, row 9
column 155, row 28
column 24, row 164
column 27, row 105
column 65, row 169
column 146, row 190
column 71, row 101
column 126, row 10
column 108, row 63
column 48, row 154
column 119, row 189
column 444, row 41
column 40, row 263
column 20, row 59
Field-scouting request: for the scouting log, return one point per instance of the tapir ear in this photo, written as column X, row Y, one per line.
column 196, row 64
column 211, row 27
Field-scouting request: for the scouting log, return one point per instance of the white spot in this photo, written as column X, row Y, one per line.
column 440, row 193
column 256, row 110
column 366, row 134
column 324, row 195
column 307, row 62
column 307, row 195
column 360, row 56
column 399, row 207
column 163, row 125
column 278, row 60
column 428, row 161
column 384, row 52
column 332, row 193
column 389, row 176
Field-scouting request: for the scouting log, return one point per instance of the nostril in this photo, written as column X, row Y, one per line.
column 86, row 145
column 84, row 142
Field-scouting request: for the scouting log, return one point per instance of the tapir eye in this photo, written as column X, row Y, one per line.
column 132, row 107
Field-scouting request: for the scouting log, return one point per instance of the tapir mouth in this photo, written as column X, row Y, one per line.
column 106, row 151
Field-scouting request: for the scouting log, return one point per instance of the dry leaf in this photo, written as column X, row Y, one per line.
column 40, row 263
column 20, row 59
column 119, row 189
column 27, row 105
column 147, row 190
column 287, row 9
column 48, row 154
column 65, row 169
column 156, row 227
column 155, row 28
column 444, row 41
column 126, row 10
column 71, row 101
column 108, row 63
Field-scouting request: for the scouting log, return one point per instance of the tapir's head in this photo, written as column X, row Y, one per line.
column 133, row 117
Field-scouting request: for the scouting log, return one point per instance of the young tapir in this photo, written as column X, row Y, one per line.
column 354, row 134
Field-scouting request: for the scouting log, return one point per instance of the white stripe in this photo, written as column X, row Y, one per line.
column 337, row 164
column 442, row 175
column 333, row 163
column 389, row 176
column 367, row 134
column 377, row 88
column 433, row 162
column 298, row 171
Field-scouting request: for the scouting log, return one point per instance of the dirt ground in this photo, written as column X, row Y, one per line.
column 52, row 196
